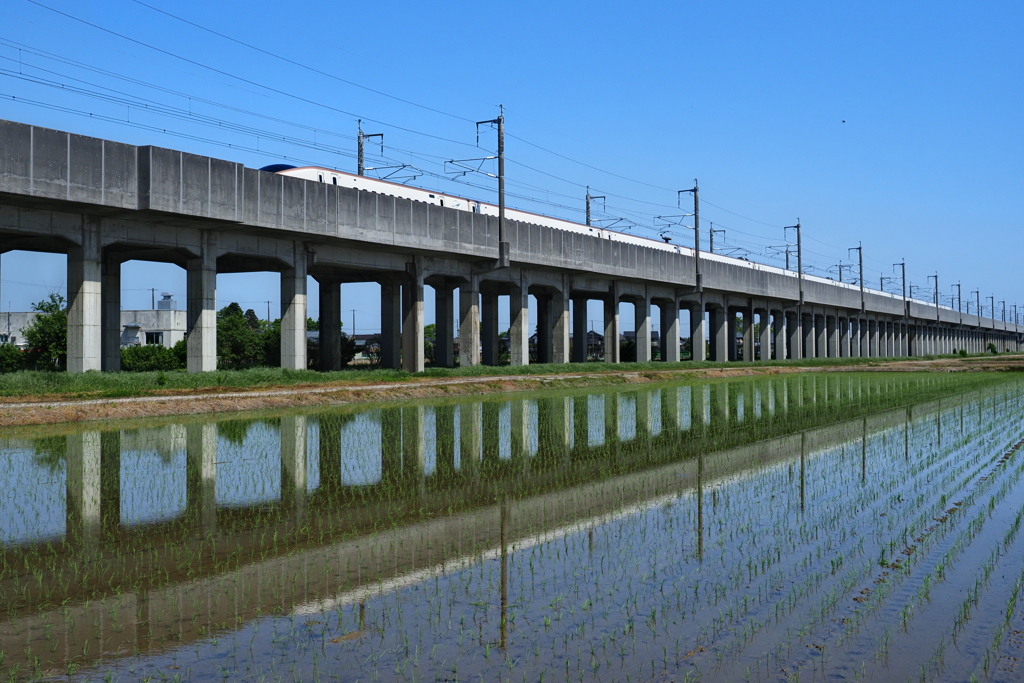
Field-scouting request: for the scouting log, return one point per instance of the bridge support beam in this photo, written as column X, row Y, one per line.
column 85, row 304
column 579, row 329
column 330, row 324
column 748, row 335
column 519, row 325
column 809, row 337
column 832, row 331
column 669, row 341
column 293, row 317
column 719, row 335
column 489, row 328
column 111, row 295
column 820, row 337
column 642, row 325
column 698, row 333
column 201, row 316
column 779, row 328
column 560, row 327
column 412, row 323
column 444, row 319
column 794, row 336
column 765, row 333
column 611, row 327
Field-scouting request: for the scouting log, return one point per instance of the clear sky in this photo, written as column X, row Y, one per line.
column 893, row 124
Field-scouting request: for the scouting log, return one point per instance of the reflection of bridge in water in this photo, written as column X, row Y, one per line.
column 505, row 472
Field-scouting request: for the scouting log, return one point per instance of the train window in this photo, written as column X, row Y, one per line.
column 432, row 196
column 476, row 209
column 442, row 202
column 321, row 176
column 334, row 180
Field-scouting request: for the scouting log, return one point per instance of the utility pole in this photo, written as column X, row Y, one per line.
column 591, row 197
column 152, row 298
column 860, row 256
column 712, row 232
column 268, row 310
column 696, row 233
column 361, row 164
column 992, row 300
column 353, row 322
column 936, row 276
column 1003, row 302
column 799, row 258
column 504, row 258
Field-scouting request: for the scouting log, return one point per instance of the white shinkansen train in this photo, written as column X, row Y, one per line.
column 326, row 175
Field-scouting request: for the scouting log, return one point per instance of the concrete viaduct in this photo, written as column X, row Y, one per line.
column 103, row 203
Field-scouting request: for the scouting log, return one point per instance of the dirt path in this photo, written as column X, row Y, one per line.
column 43, row 411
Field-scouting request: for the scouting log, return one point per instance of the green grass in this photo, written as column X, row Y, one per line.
column 127, row 384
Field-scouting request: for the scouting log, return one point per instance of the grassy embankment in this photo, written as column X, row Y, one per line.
column 126, row 384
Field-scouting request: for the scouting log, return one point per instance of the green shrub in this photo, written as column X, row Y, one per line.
column 963, row 353
column 12, row 358
column 149, row 358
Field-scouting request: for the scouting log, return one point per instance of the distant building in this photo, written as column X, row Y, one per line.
column 164, row 326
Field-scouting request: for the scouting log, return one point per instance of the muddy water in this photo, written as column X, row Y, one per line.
column 807, row 526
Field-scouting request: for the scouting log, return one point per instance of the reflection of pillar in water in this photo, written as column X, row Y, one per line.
column 110, row 479
column 555, row 426
column 444, row 429
column 520, row 420
column 906, row 435
column 671, row 411
column 580, row 423
column 491, row 414
column 700, row 410
column 293, row 462
column 504, row 574
column 391, row 444
column 864, row 451
column 612, row 425
column 644, row 415
column 803, row 458
column 201, row 473
column 938, row 425
column 83, row 487
column 330, row 453
column 722, row 408
column 470, row 437
column 414, row 448
column 700, row 505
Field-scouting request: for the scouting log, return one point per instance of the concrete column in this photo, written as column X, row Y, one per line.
column 390, row 325
column 873, row 338
column 732, row 347
column 489, row 328
column 412, row 324
column 330, row 324
column 293, row 313
column 809, row 336
column 766, row 336
column 698, row 333
column 579, row 329
column 293, row 462
column 201, row 473
column 544, row 328
column 820, row 337
column 832, row 331
column 202, row 306
column 719, row 335
column 83, row 482
column 642, row 325
column 795, row 337
column 611, row 328
column 560, row 327
column 444, row 317
column 865, row 351
column 844, row 337
column 85, row 303
column 111, row 295
column 519, row 329
column 748, row 335
column 779, row 328
column 914, row 339
column 669, row 309
column 469, row 324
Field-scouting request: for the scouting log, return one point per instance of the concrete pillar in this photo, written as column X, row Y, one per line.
column 85, row 303
column 469, row 324
column 748, row 335
column 719, row 335
column 669, row 309
column 766, row 336
column 560, row 327
column 201, row 473
column 579, row 329
column 862, row 326
column 844, row 337
column 832, row 332
column 444, row 319
column 111, row 295
column 698, row 333
column 519, row 328
column 293, row 313
column 412, row 323
column 201, row 316
column 390, row 325
column 820, row 337
column 794, row 336
column 330, row 324
column 732, row 347
column 873, row 338
column 489, row 328
column 642, row 325
column 544, row 328
column 809, row 336
column 779, row 329
column 83, row 482
column 611, row 327
column 914, row 340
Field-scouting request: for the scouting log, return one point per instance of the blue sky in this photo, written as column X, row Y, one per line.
column 892, row 124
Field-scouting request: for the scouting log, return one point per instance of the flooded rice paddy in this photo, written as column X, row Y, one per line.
column 803, row 527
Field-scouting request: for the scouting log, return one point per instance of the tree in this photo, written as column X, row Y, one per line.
column 429, row 342
column 238, row 346
column 47, row 334
column 12, row 358
column 312, row 324
column 252, row 319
